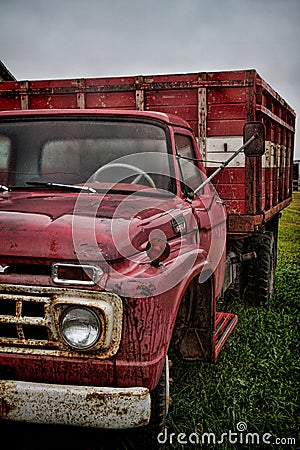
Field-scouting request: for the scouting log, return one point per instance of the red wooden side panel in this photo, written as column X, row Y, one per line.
column 216, row 105
column 53, row 101
column 226, row 111
column 8, row 99
column 267, row 180
column 115, row 100
column 231, row 188
column 9, row 103
column 183, row 102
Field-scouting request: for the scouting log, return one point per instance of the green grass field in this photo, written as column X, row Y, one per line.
column 256, row 378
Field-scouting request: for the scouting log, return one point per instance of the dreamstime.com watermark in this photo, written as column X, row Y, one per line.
column 240, row 436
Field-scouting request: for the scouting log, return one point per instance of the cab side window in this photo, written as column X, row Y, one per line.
column 190, row 172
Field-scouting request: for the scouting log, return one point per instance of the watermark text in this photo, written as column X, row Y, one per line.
column 240, row 436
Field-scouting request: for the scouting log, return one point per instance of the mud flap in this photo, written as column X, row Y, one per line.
column 200, row 332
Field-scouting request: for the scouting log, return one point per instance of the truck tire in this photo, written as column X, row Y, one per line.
column 235, row 293
column 147, row 437
column 261, row 271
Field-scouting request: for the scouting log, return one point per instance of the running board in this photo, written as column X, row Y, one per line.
column 224, row 324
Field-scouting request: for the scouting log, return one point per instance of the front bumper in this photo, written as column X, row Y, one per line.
column 87, row 406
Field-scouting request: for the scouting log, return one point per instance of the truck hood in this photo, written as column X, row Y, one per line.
column 89, row 227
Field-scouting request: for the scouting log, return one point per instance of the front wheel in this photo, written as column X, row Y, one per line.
column 148, row 437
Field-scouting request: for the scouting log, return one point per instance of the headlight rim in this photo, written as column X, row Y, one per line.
column 109, row 307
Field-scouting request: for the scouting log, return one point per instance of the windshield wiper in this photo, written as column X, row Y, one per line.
column 72, row 187
column 142, row 193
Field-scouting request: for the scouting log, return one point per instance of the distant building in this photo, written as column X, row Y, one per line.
column 5, row 74
column 296, row 175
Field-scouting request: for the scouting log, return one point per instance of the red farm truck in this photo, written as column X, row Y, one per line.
column 129, row 207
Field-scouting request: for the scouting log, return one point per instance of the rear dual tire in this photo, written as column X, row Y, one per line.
column 261, row 271
column 254, row 282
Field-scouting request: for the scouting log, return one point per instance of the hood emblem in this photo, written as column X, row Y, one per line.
column 3, row 268
column 179, row 225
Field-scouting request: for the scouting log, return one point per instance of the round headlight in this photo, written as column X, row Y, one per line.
column 80, row 327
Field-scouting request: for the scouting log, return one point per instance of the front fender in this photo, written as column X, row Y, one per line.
column 147, row 330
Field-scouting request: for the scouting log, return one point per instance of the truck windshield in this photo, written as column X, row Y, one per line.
column 79, row 152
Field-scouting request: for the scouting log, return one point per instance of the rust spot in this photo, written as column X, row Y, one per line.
column 54, row 247
column 96, row 396
column 146, row 290
column 5, row 408
column 142, row 422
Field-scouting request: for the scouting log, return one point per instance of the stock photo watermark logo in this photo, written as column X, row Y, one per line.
column 237, row 437
column 123, row 221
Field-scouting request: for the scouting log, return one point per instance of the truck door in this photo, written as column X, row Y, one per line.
column 207, row 207
column 205, row 330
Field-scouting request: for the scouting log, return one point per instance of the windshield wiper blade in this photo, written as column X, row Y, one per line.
column 141, row 193
column 72, row 187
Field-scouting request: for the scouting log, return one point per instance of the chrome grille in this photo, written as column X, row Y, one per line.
column 24, row 322
column 29, row 318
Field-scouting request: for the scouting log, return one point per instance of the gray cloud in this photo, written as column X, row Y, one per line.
column 75, row 38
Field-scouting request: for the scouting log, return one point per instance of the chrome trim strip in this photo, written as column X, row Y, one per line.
column 97, row 273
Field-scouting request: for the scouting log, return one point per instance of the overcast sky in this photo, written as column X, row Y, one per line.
column 41, row 39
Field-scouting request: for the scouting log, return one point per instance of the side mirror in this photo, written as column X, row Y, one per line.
column 257, row 146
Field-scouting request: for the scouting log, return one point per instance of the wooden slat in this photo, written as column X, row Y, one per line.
column 111, row 100
column 274, row 117
column 168, row 98
column 53, row 101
